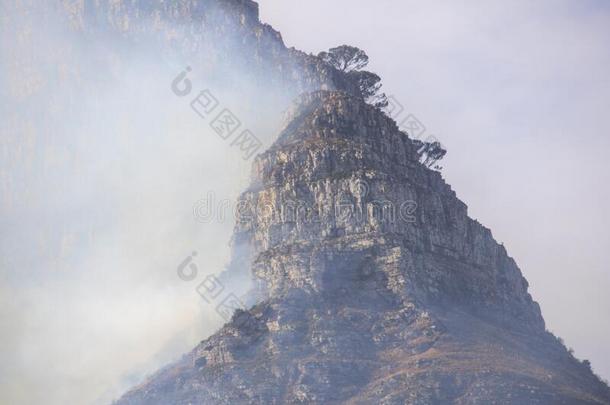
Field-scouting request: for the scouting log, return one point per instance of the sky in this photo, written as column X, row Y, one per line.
column 518, row 93
column 94, row 221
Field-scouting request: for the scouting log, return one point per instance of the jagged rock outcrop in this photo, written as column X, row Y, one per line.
column 365, row 301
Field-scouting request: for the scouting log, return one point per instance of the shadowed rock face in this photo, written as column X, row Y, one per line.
column 359, row 305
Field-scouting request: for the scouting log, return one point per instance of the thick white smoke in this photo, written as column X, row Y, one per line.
column 102, row 167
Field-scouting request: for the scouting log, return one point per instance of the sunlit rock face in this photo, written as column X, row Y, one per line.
column 342, row 171
column 361, row 304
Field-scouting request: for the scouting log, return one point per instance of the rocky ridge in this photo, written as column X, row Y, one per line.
column 367, row 307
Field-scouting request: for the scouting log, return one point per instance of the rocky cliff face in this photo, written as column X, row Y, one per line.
column 374, row 286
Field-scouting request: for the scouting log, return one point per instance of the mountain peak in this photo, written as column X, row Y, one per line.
column 373, row 285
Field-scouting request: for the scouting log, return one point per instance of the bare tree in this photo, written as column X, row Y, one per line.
column 345, row 58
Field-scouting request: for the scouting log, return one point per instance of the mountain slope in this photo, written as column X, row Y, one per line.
column 376, row 288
